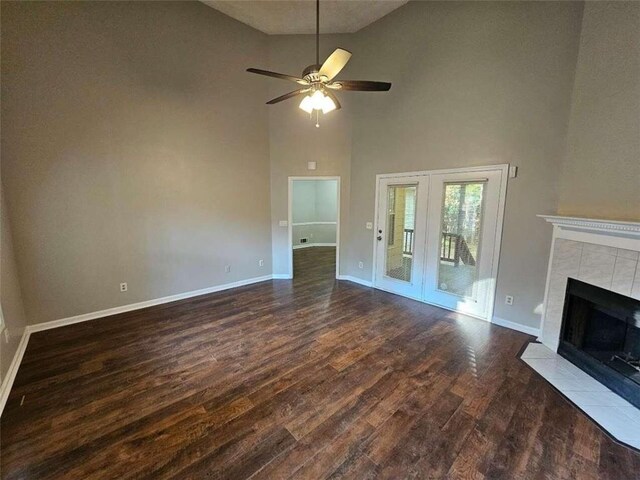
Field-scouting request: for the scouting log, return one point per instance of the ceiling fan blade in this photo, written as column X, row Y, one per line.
column 287, row 96
column 281, row 76
column 362, row 86
column 333, row 97
column 336, row 62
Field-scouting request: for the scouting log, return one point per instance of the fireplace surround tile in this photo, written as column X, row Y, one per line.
column 596, row 267
column 566, row 257
column 623, row 274
column 602, row 399
column 613, row 413
column 615, row 421
column 537, row 350
column 631, row 412
column 635, row 289
column 630, row 254
column 595, row 249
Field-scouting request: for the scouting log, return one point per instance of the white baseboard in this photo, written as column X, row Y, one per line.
column 7, row 383
column 516, row 326
column 5, row 388
column 359, row 281
column 307, row 245
column 149, row 303
column 281, row 276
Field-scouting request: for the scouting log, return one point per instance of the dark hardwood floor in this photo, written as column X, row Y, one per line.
column 315, row 264
column 310, row 378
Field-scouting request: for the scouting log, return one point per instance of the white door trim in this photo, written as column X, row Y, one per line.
column 290, row 220
column 504, row 170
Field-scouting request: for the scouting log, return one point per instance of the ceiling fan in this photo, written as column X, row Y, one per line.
column 317, row 81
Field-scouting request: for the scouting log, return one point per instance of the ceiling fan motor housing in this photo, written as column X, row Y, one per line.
column 310, row 74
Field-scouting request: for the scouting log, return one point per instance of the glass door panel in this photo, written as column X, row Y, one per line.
column 462, row 216
column 401, row 207
column 401, row 233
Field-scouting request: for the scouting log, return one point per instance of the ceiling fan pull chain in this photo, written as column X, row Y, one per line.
column 317, row 118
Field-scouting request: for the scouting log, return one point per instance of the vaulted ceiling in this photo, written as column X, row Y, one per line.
column 298, row 16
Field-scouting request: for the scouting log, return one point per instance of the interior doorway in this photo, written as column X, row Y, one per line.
column 314, row 226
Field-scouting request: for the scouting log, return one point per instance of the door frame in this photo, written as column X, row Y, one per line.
column 290, row 219
column 503, row 168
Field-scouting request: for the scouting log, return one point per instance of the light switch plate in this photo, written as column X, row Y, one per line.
column 513, row 171
column 369, row 225
column 311, row 165
column 283, row 223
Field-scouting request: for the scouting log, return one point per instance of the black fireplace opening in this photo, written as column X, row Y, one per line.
column 601, row 335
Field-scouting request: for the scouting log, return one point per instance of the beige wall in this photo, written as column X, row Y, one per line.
column 601, row 170
column 294, row 140
column 10, row 292
column 135, row 149
column 474, row 83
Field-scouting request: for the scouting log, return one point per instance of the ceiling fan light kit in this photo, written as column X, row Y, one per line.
column 318, row 81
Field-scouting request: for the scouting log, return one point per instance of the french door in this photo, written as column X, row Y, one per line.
column 401, row 234
column 438, row 236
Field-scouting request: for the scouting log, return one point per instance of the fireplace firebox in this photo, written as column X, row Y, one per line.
column 601, row 335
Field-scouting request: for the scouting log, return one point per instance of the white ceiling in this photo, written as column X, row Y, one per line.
column 299, row 16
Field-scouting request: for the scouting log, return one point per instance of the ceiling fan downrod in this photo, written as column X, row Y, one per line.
column 317, row 32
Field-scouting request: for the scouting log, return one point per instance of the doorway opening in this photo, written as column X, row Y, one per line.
column 314, row 227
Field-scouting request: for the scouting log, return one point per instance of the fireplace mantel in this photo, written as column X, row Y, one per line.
column 593, row 224
column 612, row 233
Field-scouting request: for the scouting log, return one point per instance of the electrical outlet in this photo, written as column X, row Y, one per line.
column 123, row 287
column 360, row 265
column 261, row 263
column 369, row 225
column 227, row 268
column 508, row 300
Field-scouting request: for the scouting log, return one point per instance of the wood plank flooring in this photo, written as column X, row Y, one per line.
column 305, row 379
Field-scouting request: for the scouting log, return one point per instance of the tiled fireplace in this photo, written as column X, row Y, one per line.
column 591, row 322
column 597, row 252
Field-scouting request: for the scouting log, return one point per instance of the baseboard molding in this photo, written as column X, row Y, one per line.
column 7, row 383
column 5, row 388
column 281, row 276
column 307, row 245
column 149, row 303
column 359, row 281
column 516, row 326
